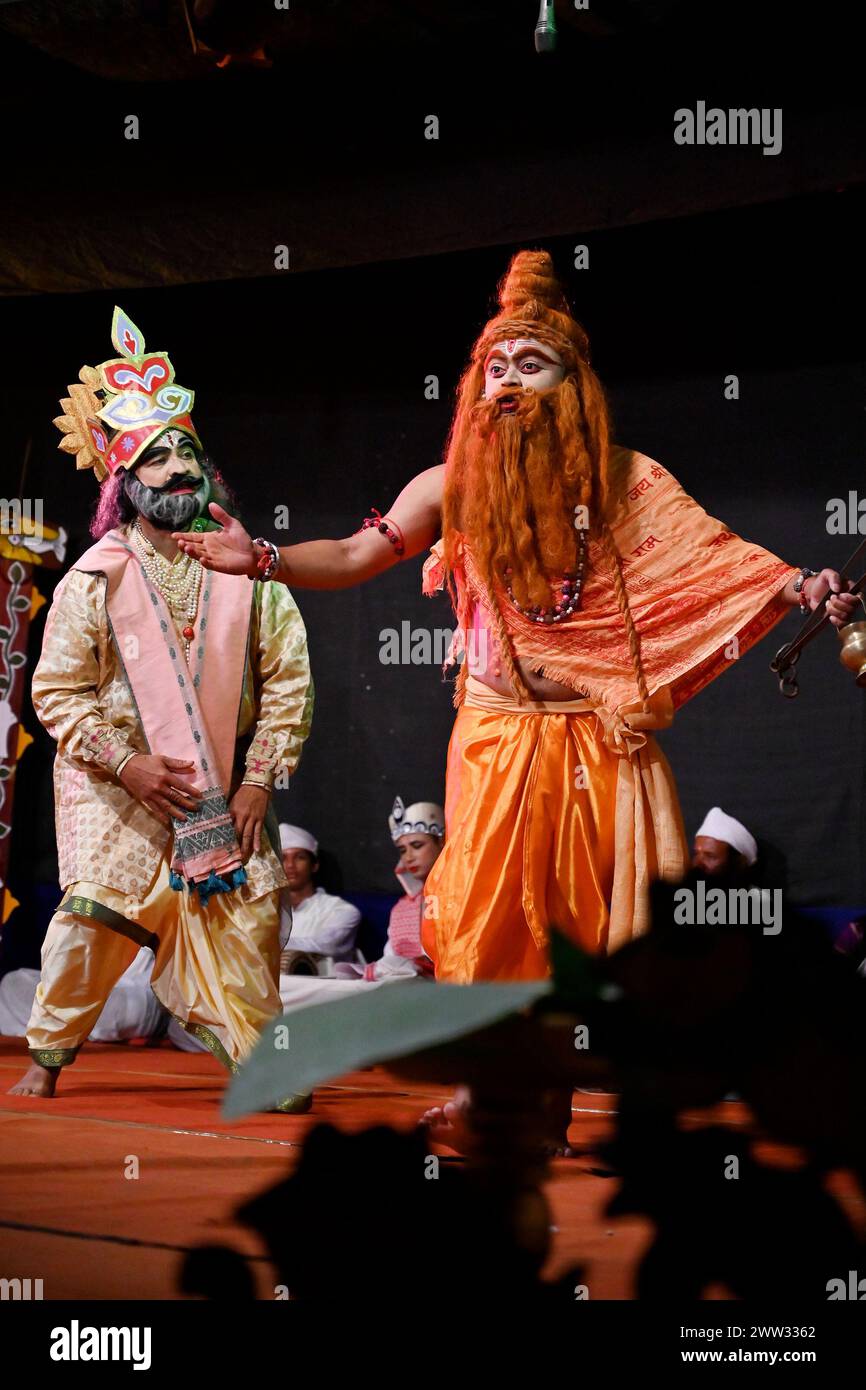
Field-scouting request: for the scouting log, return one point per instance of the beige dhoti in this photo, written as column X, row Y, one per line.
column 216, row 967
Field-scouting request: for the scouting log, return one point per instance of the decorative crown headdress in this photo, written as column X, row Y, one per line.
column 122, row 406
column 421, row 818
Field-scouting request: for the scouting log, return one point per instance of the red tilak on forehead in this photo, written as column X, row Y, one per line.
column 510, row 344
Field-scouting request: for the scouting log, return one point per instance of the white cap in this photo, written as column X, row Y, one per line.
column 421, row 818
column 293, row 837
column 718, row 826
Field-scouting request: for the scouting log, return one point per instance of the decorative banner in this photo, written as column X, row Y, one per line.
column 24, row 544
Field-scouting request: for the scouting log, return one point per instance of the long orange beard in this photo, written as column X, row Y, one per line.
column 512, row 486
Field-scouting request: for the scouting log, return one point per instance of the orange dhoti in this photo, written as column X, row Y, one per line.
column 556, row 814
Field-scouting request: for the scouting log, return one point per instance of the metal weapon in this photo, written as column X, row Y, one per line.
column 786, row 658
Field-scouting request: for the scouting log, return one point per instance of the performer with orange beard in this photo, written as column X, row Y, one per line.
column 593, row 598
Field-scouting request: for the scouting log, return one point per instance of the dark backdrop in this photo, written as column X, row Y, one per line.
column 310, row 394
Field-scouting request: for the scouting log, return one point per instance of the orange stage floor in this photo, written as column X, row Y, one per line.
column 70, row 1216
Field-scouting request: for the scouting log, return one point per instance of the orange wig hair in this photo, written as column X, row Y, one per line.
column 513, row 482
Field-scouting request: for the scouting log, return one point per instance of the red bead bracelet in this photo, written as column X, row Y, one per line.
column 392, row 531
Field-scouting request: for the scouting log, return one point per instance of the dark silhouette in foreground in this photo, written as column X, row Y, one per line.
column 678, row 1021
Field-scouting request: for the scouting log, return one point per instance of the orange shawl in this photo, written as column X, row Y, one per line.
column 699, row 596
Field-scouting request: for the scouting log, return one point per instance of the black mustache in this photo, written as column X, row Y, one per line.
column 185, row 481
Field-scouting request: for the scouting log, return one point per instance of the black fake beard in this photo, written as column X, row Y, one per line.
column 166, row 510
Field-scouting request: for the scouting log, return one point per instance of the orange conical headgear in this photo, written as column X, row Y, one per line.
column 533, row 305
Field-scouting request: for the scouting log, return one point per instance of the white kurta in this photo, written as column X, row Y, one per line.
column 322, row 924
column 296, row 991
column 131, row 1011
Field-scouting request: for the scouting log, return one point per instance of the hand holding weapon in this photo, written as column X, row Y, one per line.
column 853, row 642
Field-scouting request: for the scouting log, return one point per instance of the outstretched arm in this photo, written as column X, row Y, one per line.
column 328, row 564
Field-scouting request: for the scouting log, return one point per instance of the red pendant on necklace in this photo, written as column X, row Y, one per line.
column 189, row 633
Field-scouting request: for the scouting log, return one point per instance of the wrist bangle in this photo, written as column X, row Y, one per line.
column 805, row 573
column 799, row 582
column 267, row 564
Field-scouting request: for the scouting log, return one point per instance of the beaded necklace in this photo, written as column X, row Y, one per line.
column 179, row 582
column 570, row 586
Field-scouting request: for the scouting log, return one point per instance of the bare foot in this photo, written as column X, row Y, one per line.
column 451, row 1123
column 37, row 1081
column 446, row 1124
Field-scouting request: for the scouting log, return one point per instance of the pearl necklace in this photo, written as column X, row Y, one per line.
column 178, row 581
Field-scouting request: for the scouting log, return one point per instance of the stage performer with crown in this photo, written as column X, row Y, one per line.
column 593, row 598
column 174, row 696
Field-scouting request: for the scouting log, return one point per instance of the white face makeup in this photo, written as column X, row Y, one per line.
column 169, row 488
column 521, row 362
column 173, row 453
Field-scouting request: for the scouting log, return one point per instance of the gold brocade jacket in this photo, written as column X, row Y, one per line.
column 103, row 834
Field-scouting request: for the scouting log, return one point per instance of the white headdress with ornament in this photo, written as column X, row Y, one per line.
column 421, row 818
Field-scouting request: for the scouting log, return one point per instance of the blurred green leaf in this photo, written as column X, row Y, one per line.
column 327, row 1040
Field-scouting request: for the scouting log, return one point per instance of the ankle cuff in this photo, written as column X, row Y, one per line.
column 53, row 1057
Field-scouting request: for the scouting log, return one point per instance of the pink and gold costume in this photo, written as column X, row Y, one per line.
column 224, row 688
column 217, row 962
